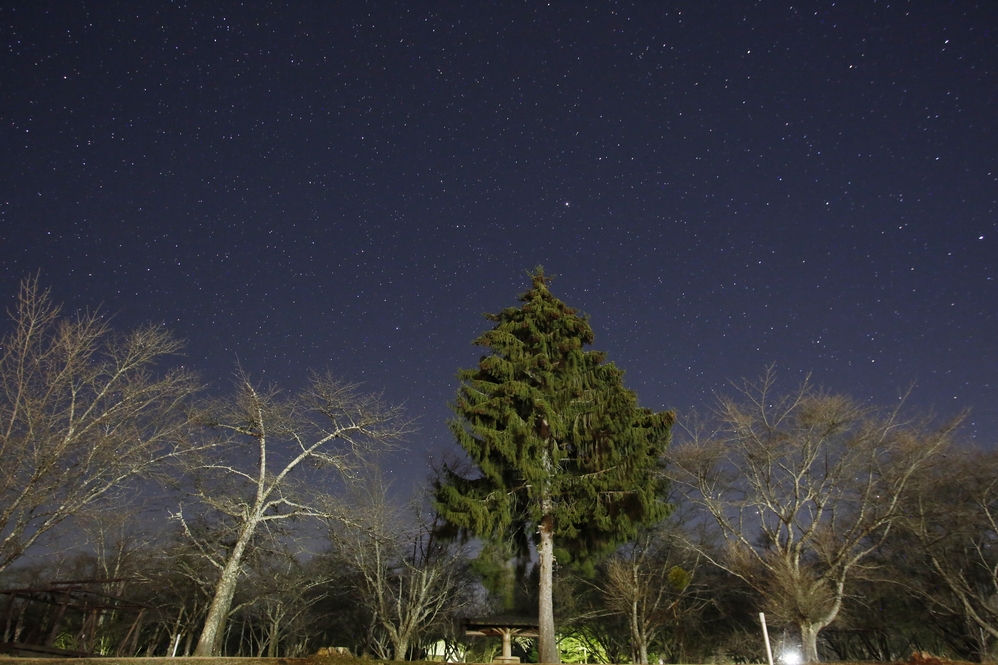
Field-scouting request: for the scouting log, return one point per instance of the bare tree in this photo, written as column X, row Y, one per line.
column 802, row 487
column 281, row 603
column 179, row 582
column 953, row 514
column 82, row 413
column 329, row 425
column 648, row 582
column 408, row 579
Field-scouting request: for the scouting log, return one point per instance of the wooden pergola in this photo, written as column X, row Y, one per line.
column 506, row 627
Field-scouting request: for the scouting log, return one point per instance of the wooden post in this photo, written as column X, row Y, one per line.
column 765, row 635
column 7, row 637
column 58, row 619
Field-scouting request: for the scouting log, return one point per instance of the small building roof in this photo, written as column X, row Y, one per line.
column 496, row 625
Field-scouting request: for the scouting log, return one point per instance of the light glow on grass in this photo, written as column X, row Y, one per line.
column 791, row 657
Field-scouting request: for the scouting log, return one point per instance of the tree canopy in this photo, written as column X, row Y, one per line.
column 803, row 489
column 561, row 455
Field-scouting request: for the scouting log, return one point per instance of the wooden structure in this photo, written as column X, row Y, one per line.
column 83, row 598
column 506, row 627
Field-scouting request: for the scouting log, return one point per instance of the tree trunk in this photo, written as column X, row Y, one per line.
column 210, row 642
column 809, row 629
column 272, row 644
column 401, row 647
column 639, row 645
column 809, row 642
column 547, row 648
column 633, row 621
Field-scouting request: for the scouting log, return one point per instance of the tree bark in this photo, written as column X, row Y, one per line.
column 809, row 642
column 547, row 647
column 273, row 644
column 400, row 648
column 209, row 644
column 638, row 636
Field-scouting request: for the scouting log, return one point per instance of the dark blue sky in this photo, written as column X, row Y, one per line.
column 350, row 185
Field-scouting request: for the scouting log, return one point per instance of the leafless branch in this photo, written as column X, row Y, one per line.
column 82, row 413
column 802, row 487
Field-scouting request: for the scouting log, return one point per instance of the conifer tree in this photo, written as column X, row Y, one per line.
column 561, row 456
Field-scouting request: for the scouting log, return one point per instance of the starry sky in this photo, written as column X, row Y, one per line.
column 350, row 185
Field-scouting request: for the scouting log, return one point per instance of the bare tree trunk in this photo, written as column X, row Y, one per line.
column 809, row 641
column 275, row 631
column 209, row 644
column 547, row 647
column 809, row 630
column 638, row 635
column 333, row 425
column 401, row 647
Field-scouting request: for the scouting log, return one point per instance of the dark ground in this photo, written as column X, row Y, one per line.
column 916, row 659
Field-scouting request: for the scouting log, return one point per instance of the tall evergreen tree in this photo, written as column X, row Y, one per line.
column 563, row 457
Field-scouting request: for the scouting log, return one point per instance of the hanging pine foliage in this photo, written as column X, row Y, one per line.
column 563, row 457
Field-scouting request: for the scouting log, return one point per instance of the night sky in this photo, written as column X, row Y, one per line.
column 350, row 185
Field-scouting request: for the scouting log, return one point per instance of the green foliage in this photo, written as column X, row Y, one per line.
column 678, row 578
column 551, row 433
column 494, row 565
column 579, row 648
